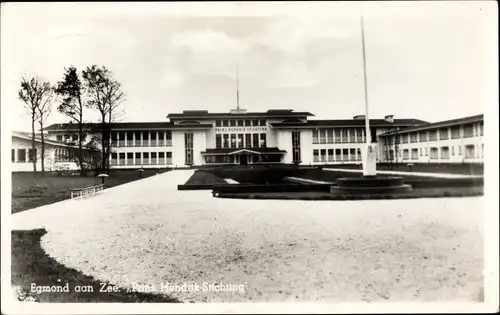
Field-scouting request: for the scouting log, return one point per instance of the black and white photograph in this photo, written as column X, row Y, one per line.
column 260, row 157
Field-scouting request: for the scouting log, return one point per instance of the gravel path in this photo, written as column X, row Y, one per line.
column 147, row 232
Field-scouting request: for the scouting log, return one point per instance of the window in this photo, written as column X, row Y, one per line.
column 315, row 155
column 218, row 141
column 232, row 123
column 145, row 138
column 345, row 154
column 262, row 122
column 426, row 152
column 59, row 138
column 255, row 122
column 413, row 137
column 168, row 139
column 423, row 136
column 322, row 136
column 225, row 123
column 188, row 145
column 404, row 138
column 433, row 135
column 130, row 157
column 352, row 153
column 359, row 153
column 114, row 158
column 452, row 150
column 330, row 155
column 137, row 158
column 122, row 158
column 145, row 158
column 169, row 158
column 470, row 151
column 233, row 140
column 323, row 155
column 75, row 138
column 153, row 138
column 352, row 135
column 296, row 146
column 329, row 135
column 443, row 134
column 445, row 153
column 255, row 140
column 31, row 156
column 225, row 142
column 360, row 135
column 434, row 153
column 315, row 136
column 161, row 158
column 153, row 158
column 218, row 123
column 414, row 154
column 455, row 132
column 138, row 139
column 240, row 141
column 263, row 143
column 337, row 135
column 406, row 154
column 481, row 129
column 338, row 155
column 240, row 122
column 248, row 140
column 421, row 151
column 344, row 136
column 459, row 150
column 248, row 122
column 468, row 131
column 13, row 155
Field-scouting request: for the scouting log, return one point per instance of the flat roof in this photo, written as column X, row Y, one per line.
column 127, row 126
column 349, row 123
column 439, row 124
column 204, row 114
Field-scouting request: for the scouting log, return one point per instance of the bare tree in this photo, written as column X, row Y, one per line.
column 105, row 95
column 73, row 104
column 44, row 109
column 34, row 92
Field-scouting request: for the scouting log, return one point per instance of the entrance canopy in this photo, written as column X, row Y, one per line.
column 242, row 155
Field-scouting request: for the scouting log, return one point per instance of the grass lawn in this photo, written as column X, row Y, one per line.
column 204, row 177
column 31, row 190
column 465, row 169
column 30, row 265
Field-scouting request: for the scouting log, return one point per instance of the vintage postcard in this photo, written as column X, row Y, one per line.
column 249, row 157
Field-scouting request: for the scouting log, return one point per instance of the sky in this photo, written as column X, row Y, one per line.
column 430, row 60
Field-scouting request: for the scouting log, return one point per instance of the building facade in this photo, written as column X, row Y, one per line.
column 197, row 137
column 22, row 154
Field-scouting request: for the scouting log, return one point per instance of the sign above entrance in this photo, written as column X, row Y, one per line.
column 240, row 129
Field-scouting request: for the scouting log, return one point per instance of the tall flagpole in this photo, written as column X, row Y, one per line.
column 237, row 90
column 367, row 119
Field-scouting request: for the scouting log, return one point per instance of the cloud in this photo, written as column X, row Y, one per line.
column 209, row 41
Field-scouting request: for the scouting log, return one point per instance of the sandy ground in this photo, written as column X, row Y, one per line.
column 147, row 232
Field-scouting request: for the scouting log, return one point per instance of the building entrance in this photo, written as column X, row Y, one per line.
column 243, row 159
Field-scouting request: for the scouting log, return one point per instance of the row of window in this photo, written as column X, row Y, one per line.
column 336, row 155
column 140, row 158
column 142, row 139
column 249, row 140
column 240, row 122
column 23, row 155
column 344, row 135
column 455, row 132
column 440, row 153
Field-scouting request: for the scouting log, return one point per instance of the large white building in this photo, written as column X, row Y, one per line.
column 197, row 137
